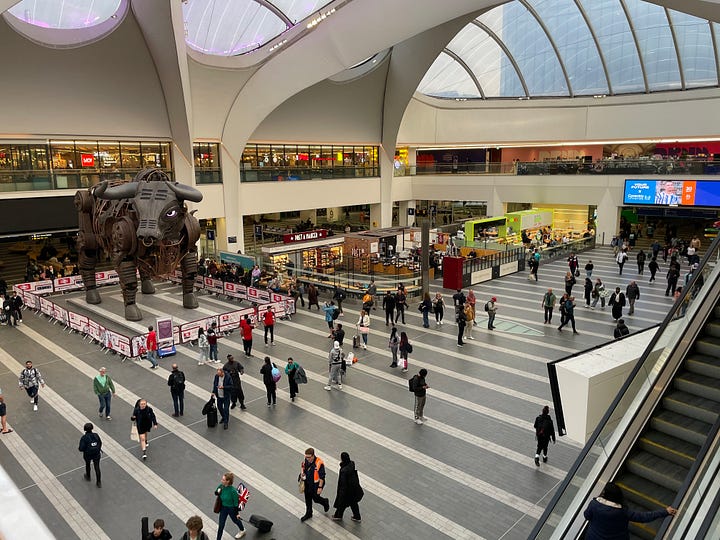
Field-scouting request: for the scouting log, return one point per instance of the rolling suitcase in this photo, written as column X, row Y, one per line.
column 263, row 524
column 356, row 341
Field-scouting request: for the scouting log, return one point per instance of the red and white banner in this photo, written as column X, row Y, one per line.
column 118, row 342
column 69, row 283
column 189, row 330
column 95, row 330
column 77, row 322
column 235, row 290
column 107, row 278
column 231, row 320
column 214, row 285
column 60, row 314
column 258, row 295
column 37, row 287
column 46, row 306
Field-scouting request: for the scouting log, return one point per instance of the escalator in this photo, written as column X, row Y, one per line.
column 663, row 455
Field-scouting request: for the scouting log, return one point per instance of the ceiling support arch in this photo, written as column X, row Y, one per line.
column 552, row 43
column 677, row 48
column 276, row 10
column 507, row 52
column 585, row 17
column 637, row 45
column 466, row 68
column 715, row 50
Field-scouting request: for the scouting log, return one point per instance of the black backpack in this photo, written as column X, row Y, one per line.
column 335, row 314
column 487, row 306
column 179, row 381
column 411, row 383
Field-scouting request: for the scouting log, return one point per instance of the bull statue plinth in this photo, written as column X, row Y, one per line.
column 142, row 225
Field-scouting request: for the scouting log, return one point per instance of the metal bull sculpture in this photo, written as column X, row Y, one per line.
column 142, row 225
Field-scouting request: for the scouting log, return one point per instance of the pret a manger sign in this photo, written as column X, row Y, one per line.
column 304, row 236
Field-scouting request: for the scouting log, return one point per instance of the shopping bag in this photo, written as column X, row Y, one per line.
column 134, row 433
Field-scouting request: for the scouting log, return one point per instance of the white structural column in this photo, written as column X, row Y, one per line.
column 608, row 218
column 232, row 191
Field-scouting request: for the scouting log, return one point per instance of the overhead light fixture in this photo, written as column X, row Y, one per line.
column 321, row 17
column 277, row 45
column 599, row 96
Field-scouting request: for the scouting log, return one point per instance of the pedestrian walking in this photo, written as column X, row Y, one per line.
column 104, row 389
column 229, row 505
column 3, row 414
column 313, row 295
column 632, row 293
column 459, row 301
column 194, row 526
column 548, row 304
column 469, row 320
column 471, row 300
column 608, row 517
column 419, row 387
column 621, row 329
column 439, row 309
column 573, row 264
column 425, row 307
column 222, row 390
column 534, row 265
column 159, row 531
column 331, row 313
column 405, row 349
column 588, row 291
column 400, row 304
column 339, row 295
column 544, row 431
column 599, row 293
column 617, row 302
column 372, row 291
column 151, row 347
column 235, row 369
column 349, row 492
column 641, row 261
column 388, row 305
column 461, row 321
column 336, row 356
column 569, row 282
column 672, row 276
column 653, row 267
column 91, row 448
column 393, row 344
column 338, row 334
column 246, row 330
column 363, row 326
column 204, row 347
column 621, row 258
column 589, row 267
column 144, row 418
column 212, row 337
column 312, row 481
column 569, row 305
column 269, row 324
column 491, row 308
column 292, row 370
column 176, row 382
column 269, row 380
column 31, row 380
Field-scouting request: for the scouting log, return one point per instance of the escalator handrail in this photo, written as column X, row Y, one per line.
column 631, row 377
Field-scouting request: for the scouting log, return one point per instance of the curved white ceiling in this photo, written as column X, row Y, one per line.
column 567, row 48
column 65, row 14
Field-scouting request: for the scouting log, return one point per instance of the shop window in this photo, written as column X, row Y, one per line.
column 264, row 155
column 165, row 157
column 315, row 157
column 87, row 155
column 108, row 155
column 63, row 155
column 150, row 155
column 130, row 156
column 250, row 157
column 303, row 153
column 207, row 163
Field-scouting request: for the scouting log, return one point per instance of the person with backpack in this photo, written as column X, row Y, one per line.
column 418, row 386
column 331, row 314
column 621, row 329
column 491, row 309
column 270, row 375
column 548, row 304
column 336, row 356
column 405, row 349
column 621, row 259
column 104, row 389
column 31, row 380
column 589, row 269
column 367, row 301
column 617, row 302
column 176, row 382
column 235, row 369
column 339, row 295
column 393, row 345
column 91, row 448
column 544, row 431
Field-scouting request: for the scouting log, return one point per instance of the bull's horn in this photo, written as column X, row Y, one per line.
column 186, row 193
column 123, row 191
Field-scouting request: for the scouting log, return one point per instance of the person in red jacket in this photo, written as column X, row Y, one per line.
column 269, row 322
column 151, row 346
column 246, row 329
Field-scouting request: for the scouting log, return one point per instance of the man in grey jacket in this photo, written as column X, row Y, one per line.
column 335, row 360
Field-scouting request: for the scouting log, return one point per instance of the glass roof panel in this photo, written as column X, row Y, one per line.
column 696, row 49
column 575, row 43
column 297, row 10
column 488, row 61
column 448, row 79
column 65, row 14
column 616, row 41
column 656, row 45
column 229, row 27
column 530, row 47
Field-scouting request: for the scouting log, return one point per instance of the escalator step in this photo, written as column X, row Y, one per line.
column 703, row 365
column 708, row 345
column 692, row 405
column 656, row 469
column 712, row 328
column 668, row 447
column 680, row 426
column 644, row 492
column 701, row 385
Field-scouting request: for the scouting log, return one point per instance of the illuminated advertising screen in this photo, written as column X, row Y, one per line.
column 672, row 193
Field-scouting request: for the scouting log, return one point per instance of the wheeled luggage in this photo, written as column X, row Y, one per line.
column 212, row 417
column 356, row 341
column 263, row 524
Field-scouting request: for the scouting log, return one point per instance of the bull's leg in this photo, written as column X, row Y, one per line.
column 128, row 282
column 189, row 267
column 87, row 261
column 146, row 284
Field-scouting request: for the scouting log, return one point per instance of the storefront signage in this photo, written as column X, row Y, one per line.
column 672, row 192
column 87, row 160
column 304, row 236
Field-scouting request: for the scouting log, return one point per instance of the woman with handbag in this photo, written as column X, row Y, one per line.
column 227, row 505
column 393, row 344
column 363, row 326
column 405, row 349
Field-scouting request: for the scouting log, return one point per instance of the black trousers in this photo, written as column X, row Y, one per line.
column 178, row 401
column 388, row 317
column 311, row 495
column 96, row 466
column 339, row 511
column 542, row 445
column 237, row 394
column 271, row 328
column 548, row 314
column 461, row 330
column 293, row 387
column 569, row 319
column 400, row 313
column 247, row 346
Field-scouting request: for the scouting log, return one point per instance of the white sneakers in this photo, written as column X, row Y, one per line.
column 364, row 346
column 328, row 387
column 339, row 386
column 240, row 534
column 418, row 421
column 34, row 407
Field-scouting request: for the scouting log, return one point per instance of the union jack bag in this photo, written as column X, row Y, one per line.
column 243, row 496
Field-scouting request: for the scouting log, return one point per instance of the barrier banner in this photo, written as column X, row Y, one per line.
column 107, row 278
column 95, row 331
column 189, row 330
column 199, row 280
column 213, row 285
column 257, row 295
column 69, row 283
column 60, row 314
column 235, row 290
column 231, row 320
column 287, row 301
column 36, row 287
column 29, row 299
column 77, row 322
column 46, row 306
column 117, row 342
column 137, row 345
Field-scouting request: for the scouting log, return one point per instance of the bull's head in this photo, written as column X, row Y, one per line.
column 157, row 201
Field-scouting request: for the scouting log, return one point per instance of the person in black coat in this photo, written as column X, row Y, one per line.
column 268, row 381
column 588, row 291
column 145, row 419
column 544, row 431
column 91, row 446
column 349, row 492
column 389, row 307
column 617, row 301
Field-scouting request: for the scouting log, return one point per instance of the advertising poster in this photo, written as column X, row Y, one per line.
column 37, row 287
column 107, row 278
column 165, row 337
column 704, row 193
column 189, row 330
column 258, row 295
column 236, row 290
column 118, row 342
column 69, row 283
column 214, row 285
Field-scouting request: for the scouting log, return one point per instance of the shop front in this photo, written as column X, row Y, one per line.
column 309, row 252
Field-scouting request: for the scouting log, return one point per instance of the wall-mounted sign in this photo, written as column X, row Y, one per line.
column 87, row 160
column 304, row 236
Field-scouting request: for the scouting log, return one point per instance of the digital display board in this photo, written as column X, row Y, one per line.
column 672, row 192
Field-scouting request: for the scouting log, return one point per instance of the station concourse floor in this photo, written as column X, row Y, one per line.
column 468, row 472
